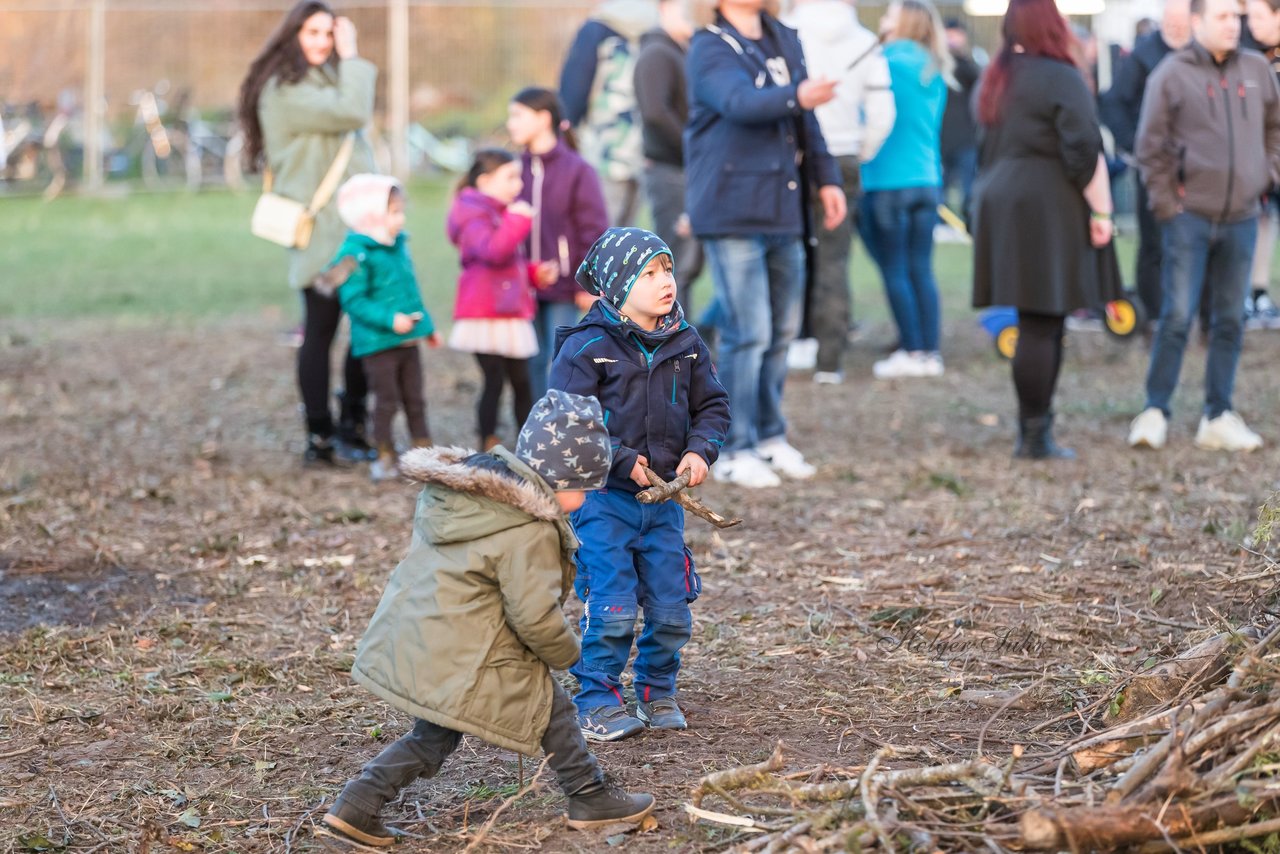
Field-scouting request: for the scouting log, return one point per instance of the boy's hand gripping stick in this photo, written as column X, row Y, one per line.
column 675, row 491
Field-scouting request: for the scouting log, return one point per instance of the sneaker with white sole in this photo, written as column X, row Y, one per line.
column 802, row 354
column 1227, row 432
column 828, row 377
column 931, row 364
column 608, row 723
column 745, row 468
column 900, row 364
column 1150, row 429
column 784, row 458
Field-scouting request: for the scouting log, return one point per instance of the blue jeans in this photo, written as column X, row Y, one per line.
column 897, row 228
column 1195, row 252
column 632, row 557
column 759, row 303
column 550, row 316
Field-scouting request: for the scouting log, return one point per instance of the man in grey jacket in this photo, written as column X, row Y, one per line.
column 1209, row 148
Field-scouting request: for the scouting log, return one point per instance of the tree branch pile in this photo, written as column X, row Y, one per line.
column 1187, row 756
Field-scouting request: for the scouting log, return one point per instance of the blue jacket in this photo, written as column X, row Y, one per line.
column 911, row 156
column 660, row 396
column 744, row 133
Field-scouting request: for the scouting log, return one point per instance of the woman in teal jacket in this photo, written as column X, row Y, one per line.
column 306, row 91
column 901, row 186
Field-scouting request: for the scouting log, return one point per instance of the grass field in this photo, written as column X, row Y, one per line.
column 180, row 256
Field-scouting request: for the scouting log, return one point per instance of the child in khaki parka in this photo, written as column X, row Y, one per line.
column 470, row 624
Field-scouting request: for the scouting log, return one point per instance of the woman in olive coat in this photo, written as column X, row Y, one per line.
column 305, row 93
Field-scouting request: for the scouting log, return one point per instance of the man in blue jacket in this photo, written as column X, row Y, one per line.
column 752, row 147
column 665, row 410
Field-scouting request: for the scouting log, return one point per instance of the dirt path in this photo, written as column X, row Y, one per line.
column 179, row 601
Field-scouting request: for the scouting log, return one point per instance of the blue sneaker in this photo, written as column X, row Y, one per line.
column 662, row 713
column 608, row 723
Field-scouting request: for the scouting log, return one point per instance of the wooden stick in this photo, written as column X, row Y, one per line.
column 662, row 491
column 688, row 502
column 737, row 778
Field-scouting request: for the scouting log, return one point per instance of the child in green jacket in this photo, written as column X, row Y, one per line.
column 470, row 624
column 380, row 293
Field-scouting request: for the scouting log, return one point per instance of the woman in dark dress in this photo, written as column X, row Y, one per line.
column 1042, row 206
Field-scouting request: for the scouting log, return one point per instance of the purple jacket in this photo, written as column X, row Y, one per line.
column 569, row 214
column 496, row 276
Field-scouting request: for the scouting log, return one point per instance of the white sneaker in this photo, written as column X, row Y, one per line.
column 783, row 457
column 802, row 354
column 899, row 364
column 828, row 377
column 1150, row 428
column 1227, row 432
column 930, row 364
column 745, row 468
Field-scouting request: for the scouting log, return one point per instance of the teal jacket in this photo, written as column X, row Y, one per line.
column 910, row 156
column 382, row 285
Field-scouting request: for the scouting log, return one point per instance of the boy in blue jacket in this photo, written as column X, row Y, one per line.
column 664, row 409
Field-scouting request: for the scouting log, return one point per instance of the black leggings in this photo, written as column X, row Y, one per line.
column 321, row 315
column 497, row 371
column 1036, row 362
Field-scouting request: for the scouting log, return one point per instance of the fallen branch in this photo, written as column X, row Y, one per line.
column 524, row 790
column 738, row 778
column 683, row 498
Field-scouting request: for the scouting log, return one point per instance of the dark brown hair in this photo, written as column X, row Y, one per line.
column 486, row 161
column 545, row 101
column 281, row 57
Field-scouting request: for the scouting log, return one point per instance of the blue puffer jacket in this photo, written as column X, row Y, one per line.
column 660, row 395
column 744, row 133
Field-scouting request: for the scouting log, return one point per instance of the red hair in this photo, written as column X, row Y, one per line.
column 1039, row 29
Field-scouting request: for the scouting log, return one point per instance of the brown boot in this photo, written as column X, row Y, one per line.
column 491, row 442
column 424, row 442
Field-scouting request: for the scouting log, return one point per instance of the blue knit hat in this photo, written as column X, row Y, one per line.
column 565, row 441
column 615, row 261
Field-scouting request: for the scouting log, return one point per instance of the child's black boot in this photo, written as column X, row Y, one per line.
column 351, row 429
column 357, row 825
column 320, row 451
column 604, row 802
column 1035, row 441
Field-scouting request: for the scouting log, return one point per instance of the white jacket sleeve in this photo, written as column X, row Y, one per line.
column 871, row 79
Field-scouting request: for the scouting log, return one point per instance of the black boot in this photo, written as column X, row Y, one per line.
column 322, row 451
column 603, row 802
column 1035, row 440
column 351, row 443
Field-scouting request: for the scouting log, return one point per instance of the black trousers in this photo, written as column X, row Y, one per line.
column 1036, row 362
column 499, row 371
column 321, row 315
column 422, row 751
column 396, row 377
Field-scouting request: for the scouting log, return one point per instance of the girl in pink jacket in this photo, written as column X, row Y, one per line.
column 493, row 316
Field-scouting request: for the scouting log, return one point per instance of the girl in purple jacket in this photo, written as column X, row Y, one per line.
column 568, row 215
column 493, row 315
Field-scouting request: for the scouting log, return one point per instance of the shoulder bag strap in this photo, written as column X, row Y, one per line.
column 333, row 177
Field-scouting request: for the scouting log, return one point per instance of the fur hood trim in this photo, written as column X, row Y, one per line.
column 443, row 466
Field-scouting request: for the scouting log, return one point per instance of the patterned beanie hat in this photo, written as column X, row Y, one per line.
column 615, row 261
column 565, row 441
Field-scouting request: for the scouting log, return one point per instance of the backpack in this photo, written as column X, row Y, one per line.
column 610, row 138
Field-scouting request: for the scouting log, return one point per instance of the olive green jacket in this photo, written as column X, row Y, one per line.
column 470, row 623
column 303, row 126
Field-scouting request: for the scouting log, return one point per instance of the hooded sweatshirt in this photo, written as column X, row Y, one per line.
column 1209, row 137
column 470, row 623
column 496, row 276
column 382, row 283
column 597, row 85
column 860, row 116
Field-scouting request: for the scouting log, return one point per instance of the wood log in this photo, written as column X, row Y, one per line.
column 739, row 778
column 1107, row 827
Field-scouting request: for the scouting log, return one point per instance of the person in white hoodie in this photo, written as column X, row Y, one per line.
column 855, row 124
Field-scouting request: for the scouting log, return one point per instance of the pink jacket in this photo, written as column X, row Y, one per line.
column 496, row 276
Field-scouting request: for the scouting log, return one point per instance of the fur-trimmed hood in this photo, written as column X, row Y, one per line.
column 477, row 500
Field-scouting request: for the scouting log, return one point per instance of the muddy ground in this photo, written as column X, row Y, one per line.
column 180, row 601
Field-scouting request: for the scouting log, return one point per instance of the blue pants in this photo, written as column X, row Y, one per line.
column 632, row 556
column 1197, row 251
column 759, row 302
column 897, row 228
column 550, row 317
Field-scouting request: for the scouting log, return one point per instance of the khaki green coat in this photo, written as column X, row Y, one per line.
column 303, row 126
column 470, row 624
